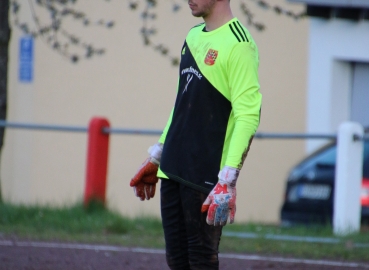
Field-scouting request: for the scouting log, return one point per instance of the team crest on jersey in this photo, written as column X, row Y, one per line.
column 211, row 56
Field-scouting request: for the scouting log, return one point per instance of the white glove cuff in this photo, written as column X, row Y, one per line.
column 229, row 175
column 155, row 153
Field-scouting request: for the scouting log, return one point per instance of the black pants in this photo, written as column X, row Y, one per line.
column 190, row 242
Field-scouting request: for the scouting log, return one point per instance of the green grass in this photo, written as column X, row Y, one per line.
column 98, row 225
column 343, row 250
column 92, row 225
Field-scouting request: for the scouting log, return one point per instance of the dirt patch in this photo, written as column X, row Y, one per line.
column 55, row 256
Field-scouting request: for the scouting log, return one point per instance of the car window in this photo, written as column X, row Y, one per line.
column 326, row 158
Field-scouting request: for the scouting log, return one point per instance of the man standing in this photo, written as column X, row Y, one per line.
column 207, row 137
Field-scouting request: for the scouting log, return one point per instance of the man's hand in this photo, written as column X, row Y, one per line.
column 221, row 202
column 145, row 179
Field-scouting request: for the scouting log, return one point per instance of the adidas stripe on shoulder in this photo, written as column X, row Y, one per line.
column 238, row 31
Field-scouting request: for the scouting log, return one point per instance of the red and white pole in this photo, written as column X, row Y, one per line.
column 97, row 161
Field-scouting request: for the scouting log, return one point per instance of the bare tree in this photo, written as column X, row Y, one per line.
column 65, row 42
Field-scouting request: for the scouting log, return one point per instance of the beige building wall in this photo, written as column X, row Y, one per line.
column 134, row 87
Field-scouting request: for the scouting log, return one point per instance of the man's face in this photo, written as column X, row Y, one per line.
column 201, row 8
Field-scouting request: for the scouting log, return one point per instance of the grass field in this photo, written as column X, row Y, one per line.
column 98, row 225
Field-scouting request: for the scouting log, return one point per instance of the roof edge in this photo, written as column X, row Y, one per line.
column 335, row 3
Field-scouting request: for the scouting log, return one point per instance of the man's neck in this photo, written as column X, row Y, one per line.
column 219, row 16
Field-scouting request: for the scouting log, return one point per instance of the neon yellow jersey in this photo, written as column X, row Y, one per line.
column 217, row 110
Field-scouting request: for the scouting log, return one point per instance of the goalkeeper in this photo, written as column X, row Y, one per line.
column 207, row 137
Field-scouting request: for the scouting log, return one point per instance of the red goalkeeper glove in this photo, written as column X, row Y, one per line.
column 145, row 179
column 221, row 201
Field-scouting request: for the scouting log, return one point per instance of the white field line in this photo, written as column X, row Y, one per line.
column 290, row 260
column 6, row 243
column 161, row 251
column 309, row 239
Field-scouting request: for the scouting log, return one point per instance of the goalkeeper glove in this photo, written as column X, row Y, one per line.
column 145, row 179
column 221, row 201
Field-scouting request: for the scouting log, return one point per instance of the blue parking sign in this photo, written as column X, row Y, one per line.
column 26, row 59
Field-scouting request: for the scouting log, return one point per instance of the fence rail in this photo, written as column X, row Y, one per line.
column 258, row 135
column 42, row 127
column 262, row 135
column 132, row 131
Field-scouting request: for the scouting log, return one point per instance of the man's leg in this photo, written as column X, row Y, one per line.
column 203, row 239
column 173, row 225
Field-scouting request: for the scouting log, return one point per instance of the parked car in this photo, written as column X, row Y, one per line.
column 309, row 192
